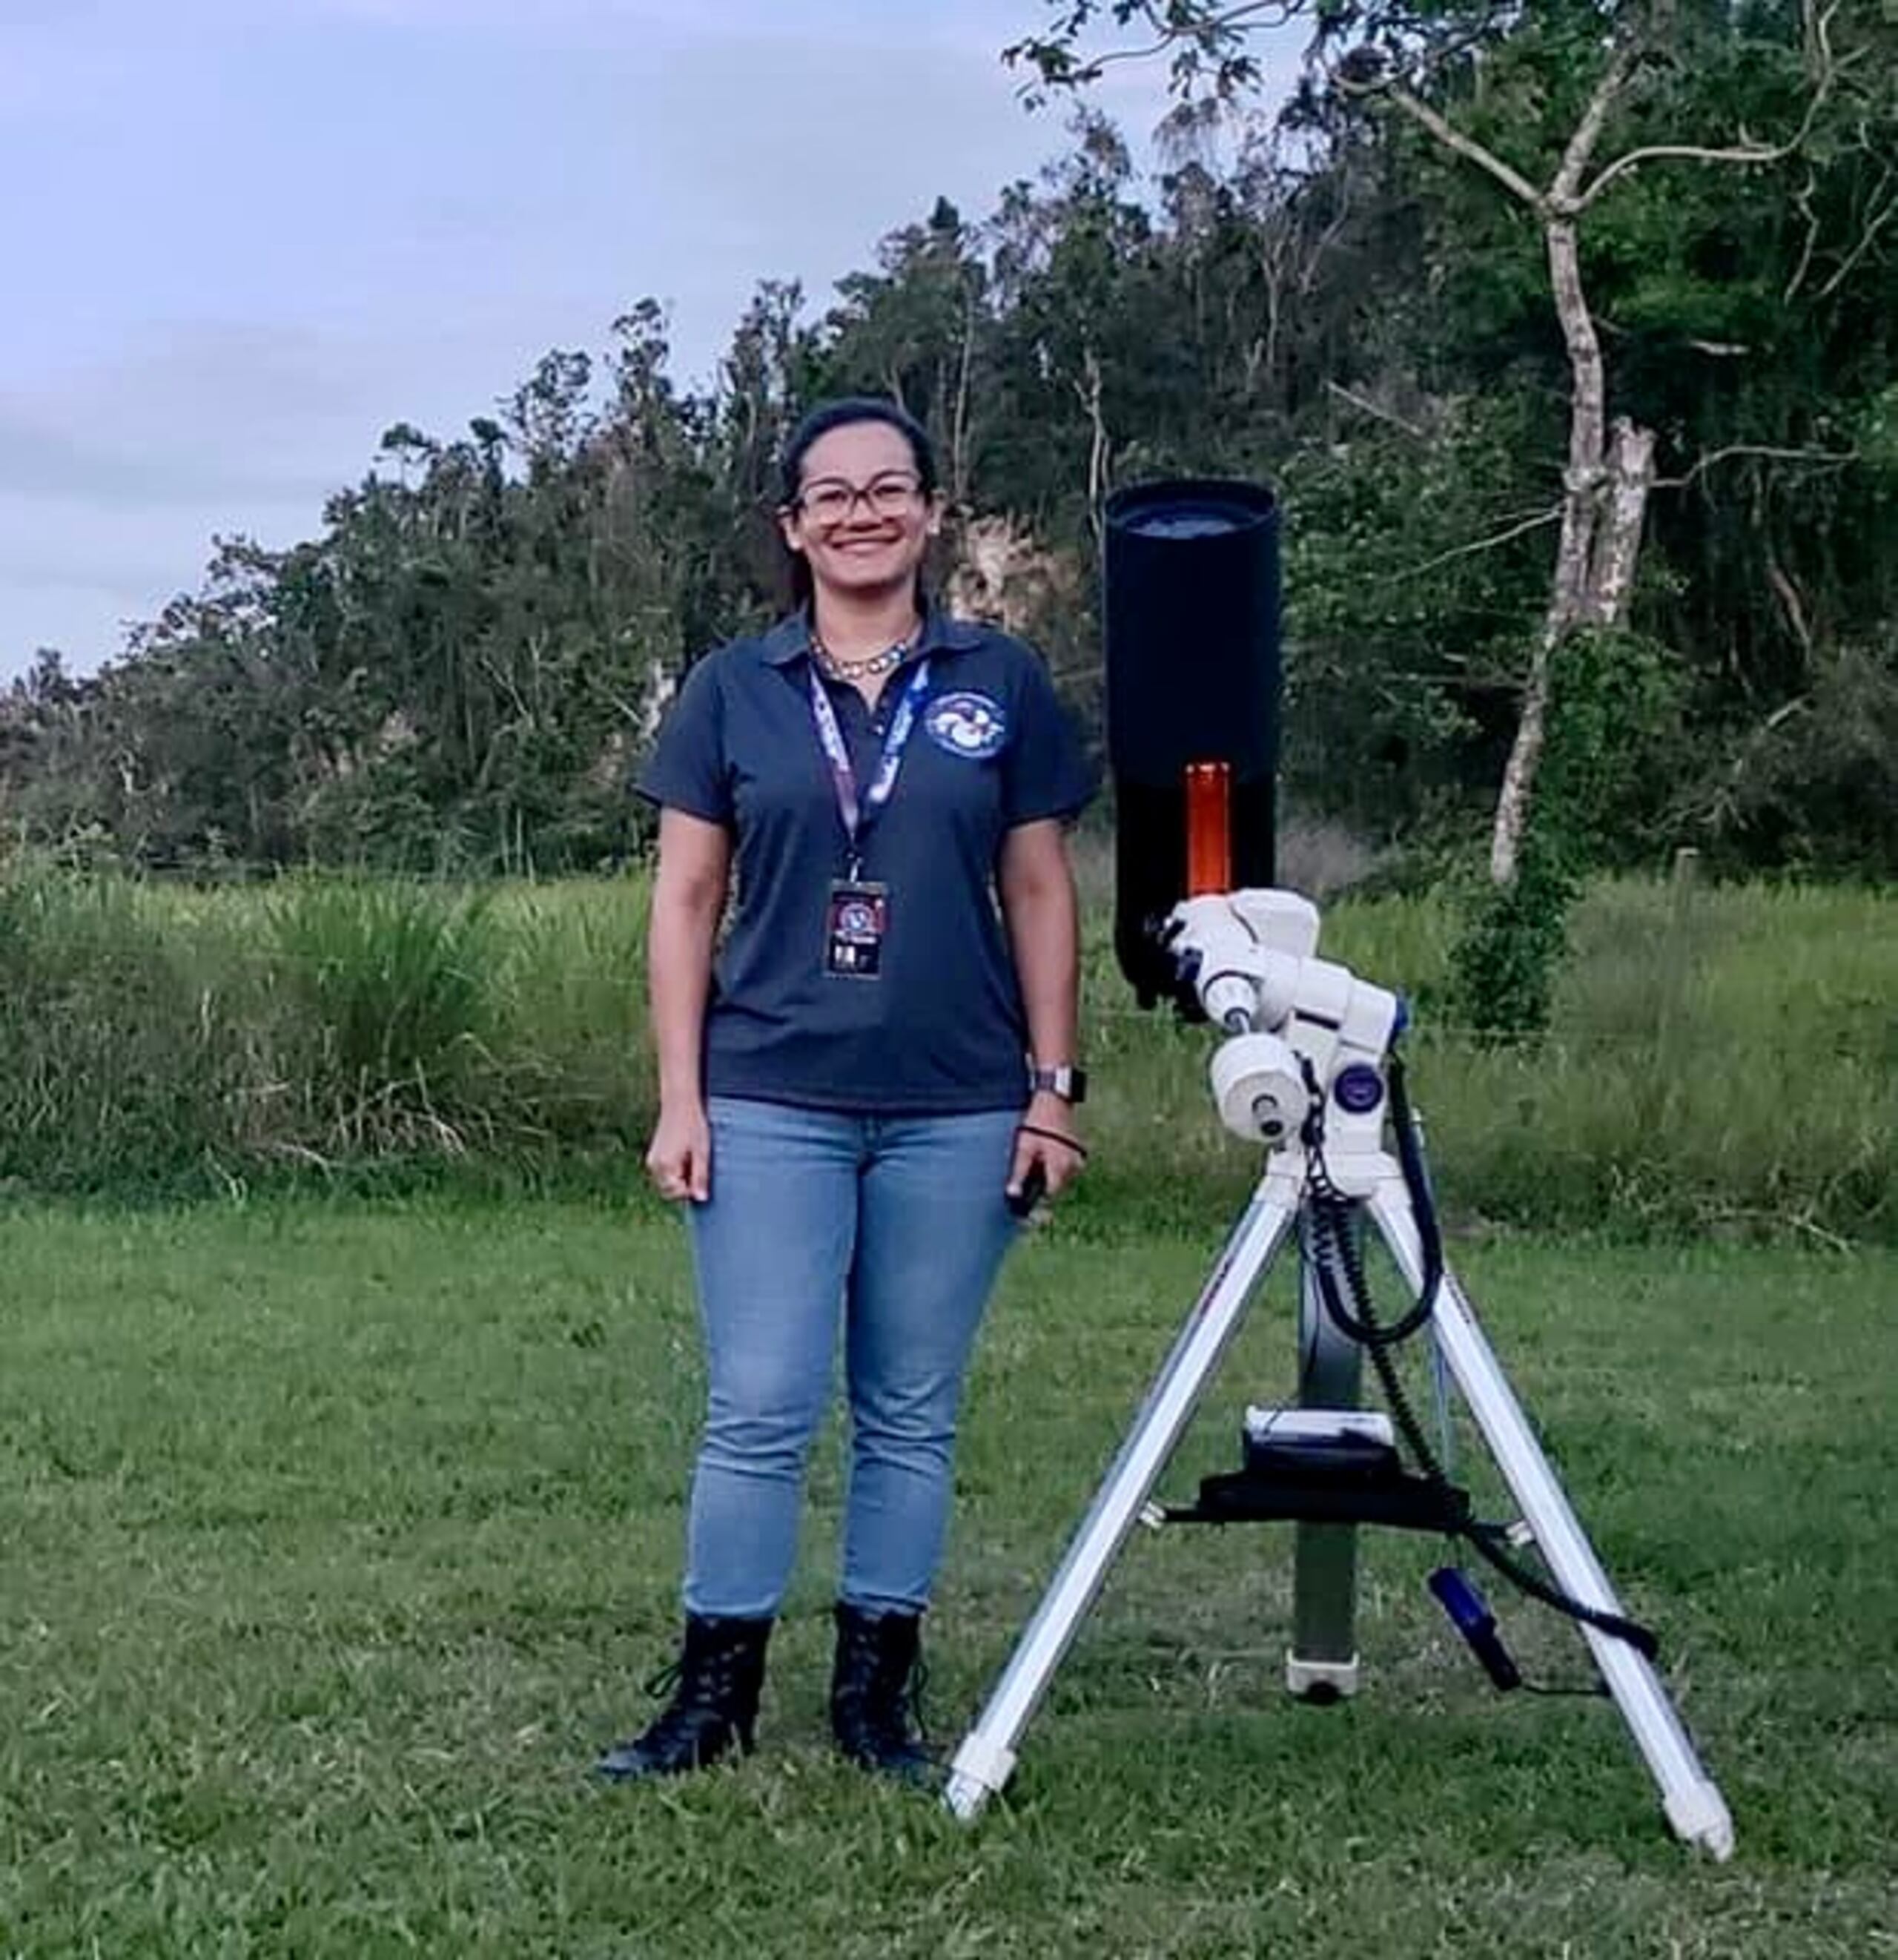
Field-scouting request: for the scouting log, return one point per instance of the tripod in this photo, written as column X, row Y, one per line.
column 1259, row 1080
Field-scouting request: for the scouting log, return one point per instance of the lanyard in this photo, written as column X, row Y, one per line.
column 857, row 816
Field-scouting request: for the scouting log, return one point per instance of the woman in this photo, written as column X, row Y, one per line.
column 879, row 1080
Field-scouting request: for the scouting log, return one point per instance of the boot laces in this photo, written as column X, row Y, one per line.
column 708, row 1685
column 912, row 1692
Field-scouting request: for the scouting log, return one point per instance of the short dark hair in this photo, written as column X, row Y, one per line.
column 841, row 412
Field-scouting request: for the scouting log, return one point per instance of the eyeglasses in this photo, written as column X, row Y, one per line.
column 831, row 501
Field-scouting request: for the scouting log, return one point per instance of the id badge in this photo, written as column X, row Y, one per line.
column 855, row 924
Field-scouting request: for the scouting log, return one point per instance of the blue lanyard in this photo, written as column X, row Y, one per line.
column 857, row 816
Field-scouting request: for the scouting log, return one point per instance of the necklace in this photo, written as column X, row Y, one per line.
column 864, row 669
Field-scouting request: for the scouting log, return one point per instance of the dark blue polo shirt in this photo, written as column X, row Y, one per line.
column 942, row 1030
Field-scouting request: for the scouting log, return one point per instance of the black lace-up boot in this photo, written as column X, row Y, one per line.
column 876, row 1686
column 714, row 1686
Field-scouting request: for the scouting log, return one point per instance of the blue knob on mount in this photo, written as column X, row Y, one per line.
column 1359, row 1090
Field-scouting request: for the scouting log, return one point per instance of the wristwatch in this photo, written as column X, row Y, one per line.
column 1067, row 1082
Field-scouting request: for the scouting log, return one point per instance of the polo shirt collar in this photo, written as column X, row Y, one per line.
column 790, row 638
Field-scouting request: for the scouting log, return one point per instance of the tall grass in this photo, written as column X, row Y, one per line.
column 117, row 1065
column 386, row 1013
column 1722, row 1058
column 162, row 1039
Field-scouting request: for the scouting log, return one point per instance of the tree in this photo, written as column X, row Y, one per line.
column 1549, row 83
column 913, row 331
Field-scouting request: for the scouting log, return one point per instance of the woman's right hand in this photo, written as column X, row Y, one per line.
column 679, row 1158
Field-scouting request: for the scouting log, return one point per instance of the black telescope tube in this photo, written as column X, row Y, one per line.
column 1191, row 573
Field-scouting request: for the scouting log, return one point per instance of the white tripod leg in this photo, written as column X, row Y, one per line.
column 1695, row 1808
column 983, row 1764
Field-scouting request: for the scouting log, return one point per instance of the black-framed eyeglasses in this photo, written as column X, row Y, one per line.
column 830, row 500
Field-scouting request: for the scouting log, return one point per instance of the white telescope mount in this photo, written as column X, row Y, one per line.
column 1306, row 1068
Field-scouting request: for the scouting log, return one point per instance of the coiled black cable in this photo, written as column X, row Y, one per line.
column 1336, row 1251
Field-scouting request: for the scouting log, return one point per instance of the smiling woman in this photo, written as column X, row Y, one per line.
column 858, row 509
column 879, row 1080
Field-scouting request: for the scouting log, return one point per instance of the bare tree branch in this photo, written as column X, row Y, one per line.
column 1873, row 225
column 1788, row 594
column 1810, row 244
column 1825, row 70
column 1372, row 408
column 1512, row 180
column 1537, row 523
column 1587, row 131
column 1332, row 233
column 1540, row 520
column 1692, row 153
column 1828, row 458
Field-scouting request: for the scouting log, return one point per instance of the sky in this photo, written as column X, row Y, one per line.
column 239, row 239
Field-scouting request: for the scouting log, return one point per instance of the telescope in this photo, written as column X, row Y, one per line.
column 1191, row 616
column 1306, row 1067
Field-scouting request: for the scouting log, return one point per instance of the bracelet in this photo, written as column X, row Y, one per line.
column 1053, row 1136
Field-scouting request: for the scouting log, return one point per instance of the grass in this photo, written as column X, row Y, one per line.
column 1724, row 1059
column 336, row 1538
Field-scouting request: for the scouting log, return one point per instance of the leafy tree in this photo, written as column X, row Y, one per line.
column 1531, row 100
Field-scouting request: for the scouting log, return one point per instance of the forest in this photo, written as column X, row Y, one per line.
column 1566, row 333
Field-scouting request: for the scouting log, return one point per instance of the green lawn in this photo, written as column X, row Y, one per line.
column 334, row 1540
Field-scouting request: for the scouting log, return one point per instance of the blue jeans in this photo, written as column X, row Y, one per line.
column 896, row 1225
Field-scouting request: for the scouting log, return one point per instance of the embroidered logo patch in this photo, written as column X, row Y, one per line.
column 972, row 725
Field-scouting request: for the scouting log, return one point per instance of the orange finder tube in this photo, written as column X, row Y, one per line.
column 1209, row 829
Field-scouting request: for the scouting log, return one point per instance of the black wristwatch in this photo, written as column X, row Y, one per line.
column 1067, row 1082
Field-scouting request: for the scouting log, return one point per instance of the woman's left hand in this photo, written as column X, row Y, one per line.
column 1047, row 1137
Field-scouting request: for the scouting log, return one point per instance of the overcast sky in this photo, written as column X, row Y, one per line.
column 242, row 238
